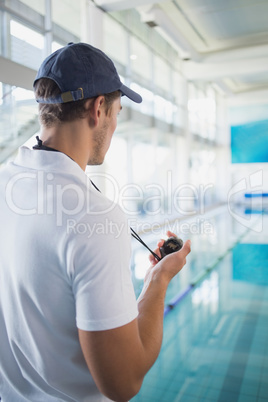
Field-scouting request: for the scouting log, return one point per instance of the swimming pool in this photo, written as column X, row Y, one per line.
column 215, row 345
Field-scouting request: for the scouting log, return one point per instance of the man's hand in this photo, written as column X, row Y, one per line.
column 171, row 264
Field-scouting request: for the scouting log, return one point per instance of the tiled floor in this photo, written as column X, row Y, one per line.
column 215, row 345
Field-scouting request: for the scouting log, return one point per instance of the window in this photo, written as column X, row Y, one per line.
column 67, row 14
column 162, row 73
column 146, row 106
column 164, row 109
column 26, row 34
column 140, row 58
column 115, row 40
column 26, row 45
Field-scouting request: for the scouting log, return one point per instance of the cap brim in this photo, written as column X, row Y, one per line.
column 134, row 96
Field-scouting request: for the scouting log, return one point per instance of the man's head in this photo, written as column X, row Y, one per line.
column 73, row 74
column 82, row 71
column 79, row 91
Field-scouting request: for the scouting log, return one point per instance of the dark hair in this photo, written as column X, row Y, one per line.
column 53, row 114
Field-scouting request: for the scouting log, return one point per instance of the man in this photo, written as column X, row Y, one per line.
column 70, row 327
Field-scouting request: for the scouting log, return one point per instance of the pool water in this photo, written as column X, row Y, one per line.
column 215, row 345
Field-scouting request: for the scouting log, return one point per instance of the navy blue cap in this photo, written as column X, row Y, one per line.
column 82, row 71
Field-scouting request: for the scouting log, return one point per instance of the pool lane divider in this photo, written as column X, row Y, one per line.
column 177, row 299
column 199, row 277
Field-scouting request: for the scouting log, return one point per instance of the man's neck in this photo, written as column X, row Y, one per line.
column 69, row 139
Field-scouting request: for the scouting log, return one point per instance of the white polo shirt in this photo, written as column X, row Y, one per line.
column 64, row 263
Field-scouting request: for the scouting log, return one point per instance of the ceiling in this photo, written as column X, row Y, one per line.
column 220, row 41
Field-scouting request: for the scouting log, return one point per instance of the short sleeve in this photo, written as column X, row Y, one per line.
column 100, row 275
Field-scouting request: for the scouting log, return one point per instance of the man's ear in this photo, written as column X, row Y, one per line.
column 96, row 109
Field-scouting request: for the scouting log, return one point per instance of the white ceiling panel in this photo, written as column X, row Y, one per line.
column 225, row 40
column 234, row 22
